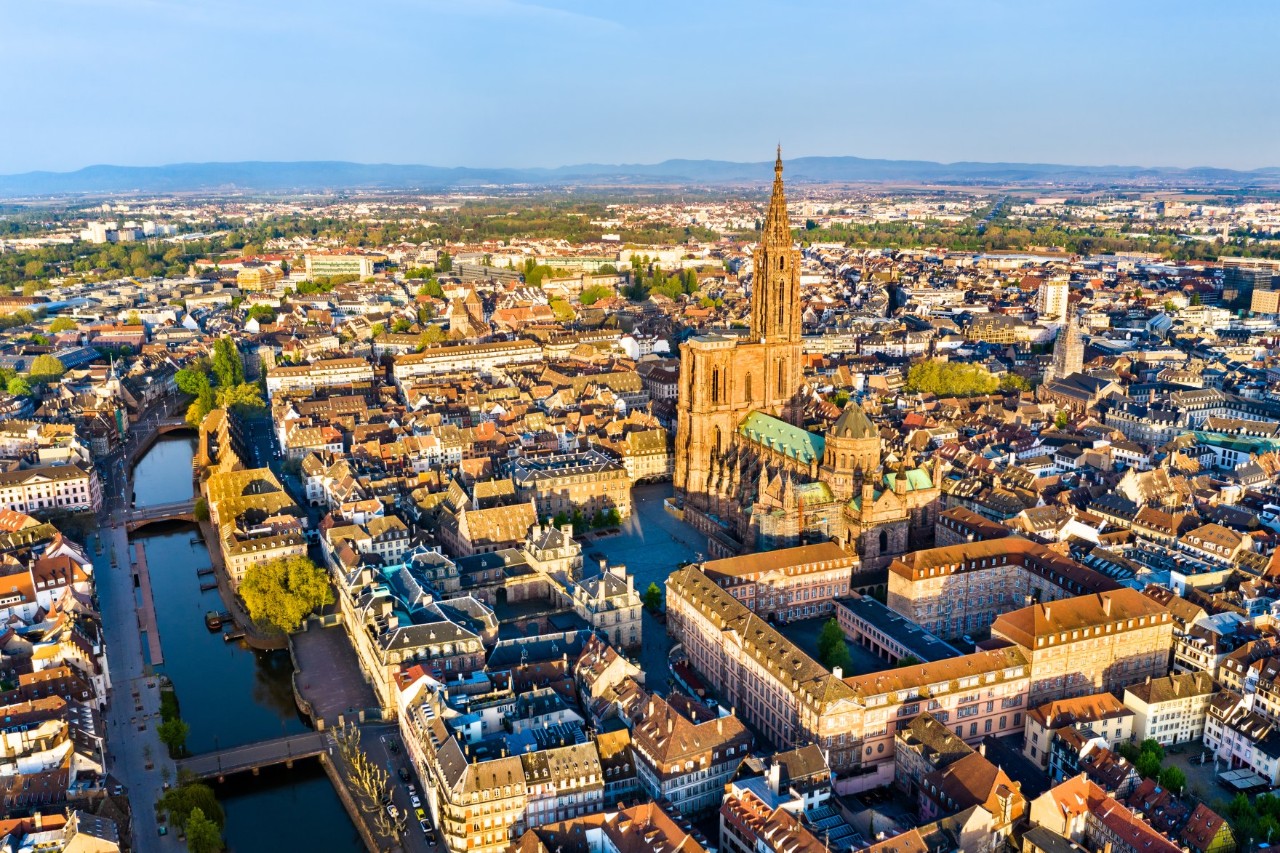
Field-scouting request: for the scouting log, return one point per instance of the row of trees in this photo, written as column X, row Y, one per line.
column 648, row 279
column 369, row 782
column 950, row 379
column 173, row 730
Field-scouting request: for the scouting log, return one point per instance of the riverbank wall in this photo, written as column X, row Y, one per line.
column 349, row 803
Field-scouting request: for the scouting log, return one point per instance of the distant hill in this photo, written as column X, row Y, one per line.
column 337, row 175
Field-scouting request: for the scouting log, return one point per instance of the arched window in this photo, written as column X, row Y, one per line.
column 715, row 384
column 884, row 542
column 748, row 388
column 782, row 379
column 782, row 262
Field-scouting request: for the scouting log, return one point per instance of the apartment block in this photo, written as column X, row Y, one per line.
column 50, row 488
column 1101, row 713
column 1172, row 709
column 330, row 373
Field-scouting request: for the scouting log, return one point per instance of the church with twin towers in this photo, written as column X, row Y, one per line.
column 748, row 473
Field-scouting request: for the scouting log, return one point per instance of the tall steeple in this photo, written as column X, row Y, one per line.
column 1068, row 351
column 775, row 297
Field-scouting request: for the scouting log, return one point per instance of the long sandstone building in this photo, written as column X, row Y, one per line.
column 1091, row 643
column 956, row 589
column 1070, row 647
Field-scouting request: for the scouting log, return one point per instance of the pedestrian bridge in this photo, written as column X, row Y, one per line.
column 178, row 511
column 254, row 756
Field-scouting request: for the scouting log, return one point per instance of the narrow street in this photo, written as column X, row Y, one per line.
column 133, row 711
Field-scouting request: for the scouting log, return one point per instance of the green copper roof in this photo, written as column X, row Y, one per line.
column 1239, row 443
column 799, row 444
column 917, row 480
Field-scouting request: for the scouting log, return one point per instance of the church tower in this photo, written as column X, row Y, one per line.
column 724, row 378
column 851, row 452
column 1068, row 351
column 775, row 290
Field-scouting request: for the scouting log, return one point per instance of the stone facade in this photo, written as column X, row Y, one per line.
column 1090, row 643
column 749, row 477
column 794, row 583
column 960, row 588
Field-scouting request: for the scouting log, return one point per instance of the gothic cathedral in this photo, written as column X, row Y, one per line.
column 748, row 474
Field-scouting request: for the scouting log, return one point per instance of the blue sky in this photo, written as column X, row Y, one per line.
column 512, row 83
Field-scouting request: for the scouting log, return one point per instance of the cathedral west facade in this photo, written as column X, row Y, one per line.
column 753, row 479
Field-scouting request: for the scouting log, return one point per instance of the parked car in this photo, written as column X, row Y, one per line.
column 393, row 811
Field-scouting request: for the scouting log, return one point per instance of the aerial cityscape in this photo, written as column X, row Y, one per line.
column 398, row 475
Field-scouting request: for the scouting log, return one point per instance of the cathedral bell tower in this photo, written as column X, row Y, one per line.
column 775, row 290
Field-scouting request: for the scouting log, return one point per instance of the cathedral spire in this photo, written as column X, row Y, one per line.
column 775, row 289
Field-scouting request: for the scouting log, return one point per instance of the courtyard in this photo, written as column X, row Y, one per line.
column 804, row 633
column 652, row 544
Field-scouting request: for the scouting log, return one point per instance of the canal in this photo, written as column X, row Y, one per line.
column 230, row 694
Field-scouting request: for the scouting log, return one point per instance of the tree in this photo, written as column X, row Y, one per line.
column 262, row 313
column 1173, row 779
column 431, row 287
column 444, row 262
column 594, row 294
column 908, row 660
column 652, row 598
column 45, row 368
column 246, row 395
column 1060, row 420
column 431, row 335
column 62, row 324
column 950, row 378
column 1152, row 746
column 562, row 310
column 203, row 835
column 833, row 651
column 18, row 387
column 1147, row 765
column 133, row 318
column 400, row 325
column 201, row 511
column 228, row 367
column 173, row 734
column 180, row 802
column 1014, row 382
column 282, row 592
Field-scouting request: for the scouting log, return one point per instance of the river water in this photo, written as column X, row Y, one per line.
column 230, row 694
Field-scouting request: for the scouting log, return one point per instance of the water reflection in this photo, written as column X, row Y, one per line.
column 230, row 694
